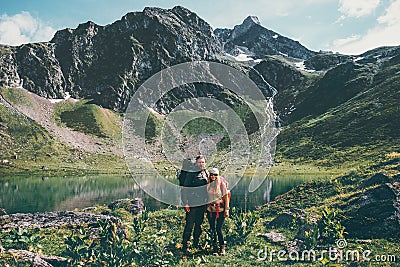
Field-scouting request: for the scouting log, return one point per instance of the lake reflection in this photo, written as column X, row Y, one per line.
column 38, row 194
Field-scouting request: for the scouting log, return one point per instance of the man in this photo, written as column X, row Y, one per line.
column 194, row 199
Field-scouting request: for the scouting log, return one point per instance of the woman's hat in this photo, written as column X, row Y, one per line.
column 215, row 171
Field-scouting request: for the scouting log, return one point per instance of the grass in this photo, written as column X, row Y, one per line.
column 88, row 118
column 16, row 97
column 28, row 147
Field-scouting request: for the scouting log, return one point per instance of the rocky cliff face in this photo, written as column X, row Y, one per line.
column 8, row 68
column 107, row 63
column 251, row 36
column 39, row 70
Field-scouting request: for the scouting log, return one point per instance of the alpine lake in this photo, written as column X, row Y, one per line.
column 30, row 194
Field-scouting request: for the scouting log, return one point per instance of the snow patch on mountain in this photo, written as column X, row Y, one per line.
column 67, row 96
column 301, row 66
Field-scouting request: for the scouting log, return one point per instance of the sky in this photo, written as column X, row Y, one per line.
column 344, row 26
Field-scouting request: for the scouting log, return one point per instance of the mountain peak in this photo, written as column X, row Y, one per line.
column 248, row 23
column 251, row 20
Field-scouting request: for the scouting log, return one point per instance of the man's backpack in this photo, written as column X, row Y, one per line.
column 187, row 168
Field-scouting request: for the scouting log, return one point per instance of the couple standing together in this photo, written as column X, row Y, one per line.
column 201, row 192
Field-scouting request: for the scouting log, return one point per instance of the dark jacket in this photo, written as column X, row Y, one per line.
column 194, row 188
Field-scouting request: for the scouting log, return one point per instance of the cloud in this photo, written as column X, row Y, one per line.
column 345, row 41
column 350, row 8
column 23, row 28
column 391, row 17
column 386, row 33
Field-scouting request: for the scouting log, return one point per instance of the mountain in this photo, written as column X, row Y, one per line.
column 107, row 63
column 250, row 36
column 325, row 102
column 350, row 111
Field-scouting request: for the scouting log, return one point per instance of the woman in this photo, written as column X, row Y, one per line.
column 218, row 208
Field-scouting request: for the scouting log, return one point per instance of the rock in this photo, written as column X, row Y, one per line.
column 89, row 209
column 120, row 203
column 274, row 237
column 2, row 211
column 52, row 219
column 396, row 177
column 374, row 213
column 325, row 61
column 284, row 219
column 40, row 70
column 44, row 167
column 379, row 178
column 134, row 206
column 303, row 229
column 24, row 256
column 137, row 206
column 290, row 218
column 294, row 246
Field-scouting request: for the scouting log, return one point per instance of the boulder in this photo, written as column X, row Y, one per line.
column 137, row 206
column 274, row 237
column 119, row 203
column 303, row 229
column 52, row 219
column 374, row 213
column 379, row 178
column 284, row 219
column 24, row 256
column 134, row 206
column 290, row 218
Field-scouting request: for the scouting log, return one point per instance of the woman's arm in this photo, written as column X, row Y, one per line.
column 226, row 200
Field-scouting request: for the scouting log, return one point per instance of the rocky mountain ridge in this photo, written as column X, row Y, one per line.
column 251, row 36
column 108, row 63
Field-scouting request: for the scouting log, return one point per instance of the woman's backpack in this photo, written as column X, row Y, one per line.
column 223, row 180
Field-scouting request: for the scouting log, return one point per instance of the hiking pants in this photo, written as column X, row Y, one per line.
column 216, row 227
column 194, row 218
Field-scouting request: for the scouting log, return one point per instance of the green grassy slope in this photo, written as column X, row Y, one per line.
column 88, row 118
column 364, row 124
column 26, row 147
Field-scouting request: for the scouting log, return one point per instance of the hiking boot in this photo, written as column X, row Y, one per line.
column 222, row 251
column 215, row 250
column 196, row 244
column 185, row 249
